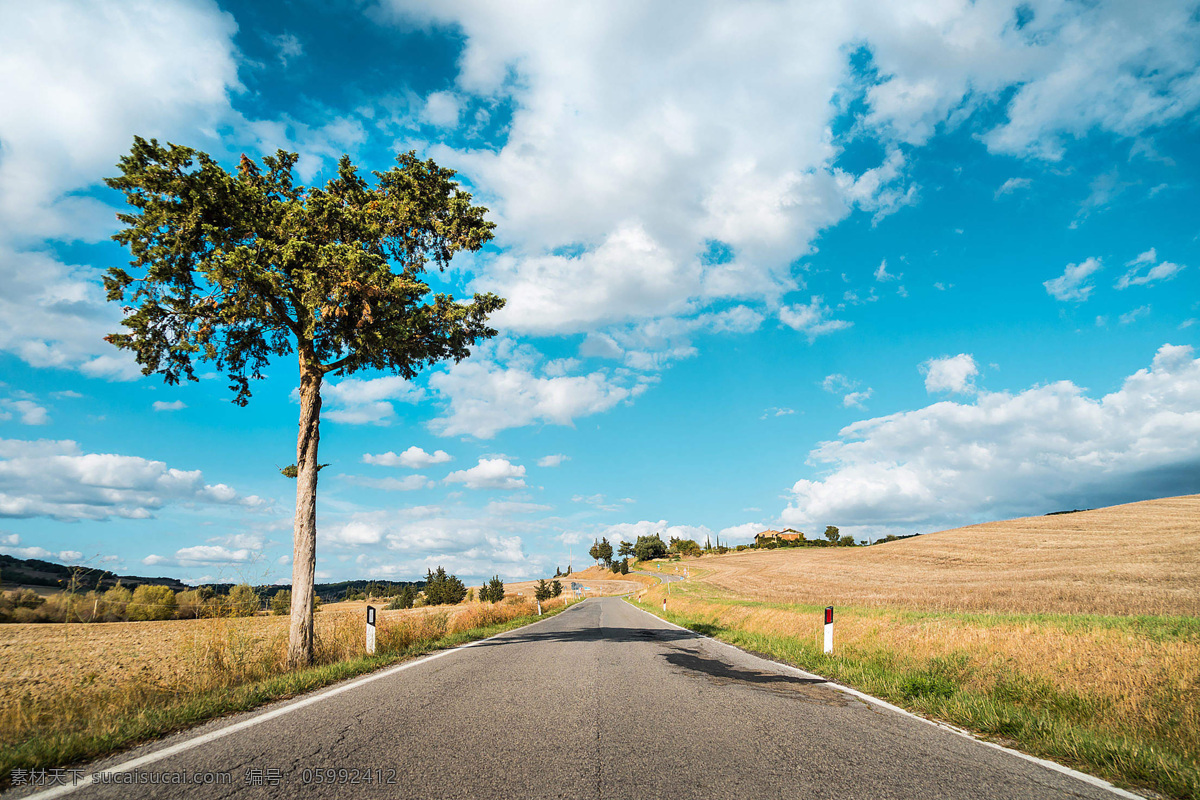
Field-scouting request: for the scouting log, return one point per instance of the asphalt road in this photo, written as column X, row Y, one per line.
column 601, row 701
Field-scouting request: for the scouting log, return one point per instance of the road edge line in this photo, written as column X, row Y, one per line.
column 1054, row 766
column 295, row 705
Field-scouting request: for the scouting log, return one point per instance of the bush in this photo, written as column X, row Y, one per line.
column 151, row 603
column 556, row 588
column 542, row 591
column 26, row 598
column 194, row 603
column 281, row 603
column 242, row 601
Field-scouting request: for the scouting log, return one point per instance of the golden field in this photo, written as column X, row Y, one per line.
column 1135, row 559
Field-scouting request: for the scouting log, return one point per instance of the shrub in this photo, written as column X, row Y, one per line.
column 26, row 598
column 151, row 603
column 556, row 588
column 542, row 591
column 492, row 591
column 281, row 603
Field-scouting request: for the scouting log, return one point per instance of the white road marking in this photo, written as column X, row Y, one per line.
column 1050, row 765
column 221, row 733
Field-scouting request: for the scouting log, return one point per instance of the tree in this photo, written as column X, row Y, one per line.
column 281, row 603
column 242, row 600
column 151, row 602
column 442, row 589
column 832, row 534
column 624, row 566
column 234, row 268
column 555, row 588
column 625, row 550
column 606, row 551
column 542, row 591
column 648, row 547
column 407, row 595
column 595, row 551
column 493, row 591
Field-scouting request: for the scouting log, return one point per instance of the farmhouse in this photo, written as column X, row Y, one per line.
column 786, row 535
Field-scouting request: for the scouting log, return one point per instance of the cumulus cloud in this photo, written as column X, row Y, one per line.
column 499, row 388
column 1043, row 449
column 9, row 546
column 145, row 67
column 404, row 545
column 1146, row 269
column 355, row 401
column 490, row 473
column 553, row 460
column 54, row 478
column 812, row 319
column 413, row 458
column 1072, row 284
column 840, row 384
column 23, row 406
column 174, row 405
column 950, row 374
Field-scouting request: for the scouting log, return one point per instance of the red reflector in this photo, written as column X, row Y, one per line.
column 829, row 615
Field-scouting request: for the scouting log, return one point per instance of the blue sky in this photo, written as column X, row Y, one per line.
column 890, row 267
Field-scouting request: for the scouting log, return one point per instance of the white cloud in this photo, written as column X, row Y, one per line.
column 630, row 531
column 1156, row 272
column 46, row 478
column 811, row 319
column 212, row 554
column 413, row 458
column 776, row 411
column 366, row 402
column 855, row 399
column 442, row 109
column 552, row 460
column 23, row 406
column 174, row 405
column 840, row 384
column 409, row 483
column 107, row 71
column 740, row 534
column 471, row 546
column 950, row 374
column 1072, row 284
column 882, row 275
column 1130, row 317
column 1043, row 449
column 490, row 473
column 1011, row 186
column 287, row 47
column 9, row 546
column 486, row 396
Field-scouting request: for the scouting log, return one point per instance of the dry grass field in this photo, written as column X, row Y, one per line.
column 1073, row 636
column 1136, row 559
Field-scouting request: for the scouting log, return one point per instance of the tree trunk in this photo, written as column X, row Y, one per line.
column 304, row 535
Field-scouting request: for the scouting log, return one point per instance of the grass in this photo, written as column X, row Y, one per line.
column 1138, row 559
column 1117, row 697
column 232, row 670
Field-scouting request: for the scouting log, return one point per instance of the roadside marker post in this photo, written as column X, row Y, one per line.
column 829, row 629
column 371, row 630
column 539, row 602
column 664, row 605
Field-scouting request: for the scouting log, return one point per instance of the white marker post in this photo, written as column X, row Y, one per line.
column 829, row 629
column 664, row 605
column 371, row 630
column 539, row 602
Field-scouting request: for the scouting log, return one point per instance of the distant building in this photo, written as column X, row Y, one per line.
column 786, row 535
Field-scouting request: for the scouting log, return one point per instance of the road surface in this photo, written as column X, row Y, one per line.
column 601, row 701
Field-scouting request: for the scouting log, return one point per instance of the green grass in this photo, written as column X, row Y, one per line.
column 144, row 713
column 1022, row 711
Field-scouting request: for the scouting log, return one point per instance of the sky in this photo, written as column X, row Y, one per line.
column 894, row 267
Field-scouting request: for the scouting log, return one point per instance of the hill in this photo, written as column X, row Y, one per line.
column 1138, row 558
